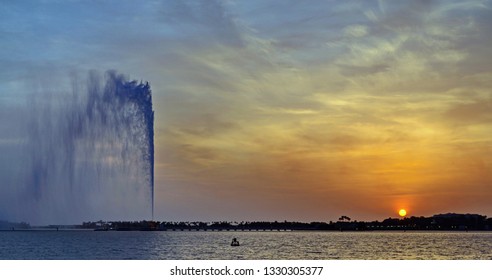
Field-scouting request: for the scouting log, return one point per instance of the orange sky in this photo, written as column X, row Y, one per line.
column 389, row 108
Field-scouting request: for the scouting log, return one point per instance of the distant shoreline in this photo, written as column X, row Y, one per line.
column 439, row 222
column 258, row 231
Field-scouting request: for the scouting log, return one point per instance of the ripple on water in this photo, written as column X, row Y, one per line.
column 254, row 245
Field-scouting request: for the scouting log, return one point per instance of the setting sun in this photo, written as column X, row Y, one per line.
column 402, row 212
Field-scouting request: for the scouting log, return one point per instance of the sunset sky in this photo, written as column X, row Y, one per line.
column 284, row 110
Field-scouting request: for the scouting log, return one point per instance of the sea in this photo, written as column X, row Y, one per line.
column 207, row 245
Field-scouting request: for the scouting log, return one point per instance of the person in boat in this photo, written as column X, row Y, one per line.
column 234, row 242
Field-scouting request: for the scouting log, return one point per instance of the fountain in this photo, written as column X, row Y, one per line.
column 87, row 155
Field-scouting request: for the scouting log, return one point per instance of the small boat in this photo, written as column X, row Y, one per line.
column 234, row 242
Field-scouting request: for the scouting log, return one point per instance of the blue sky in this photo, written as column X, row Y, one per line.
column 305, row 109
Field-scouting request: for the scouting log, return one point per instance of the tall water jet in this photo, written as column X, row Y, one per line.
column 86, row 155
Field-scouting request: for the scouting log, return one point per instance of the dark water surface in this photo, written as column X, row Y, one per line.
column 254, row 245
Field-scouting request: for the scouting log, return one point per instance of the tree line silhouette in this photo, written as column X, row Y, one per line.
column 450, row 221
